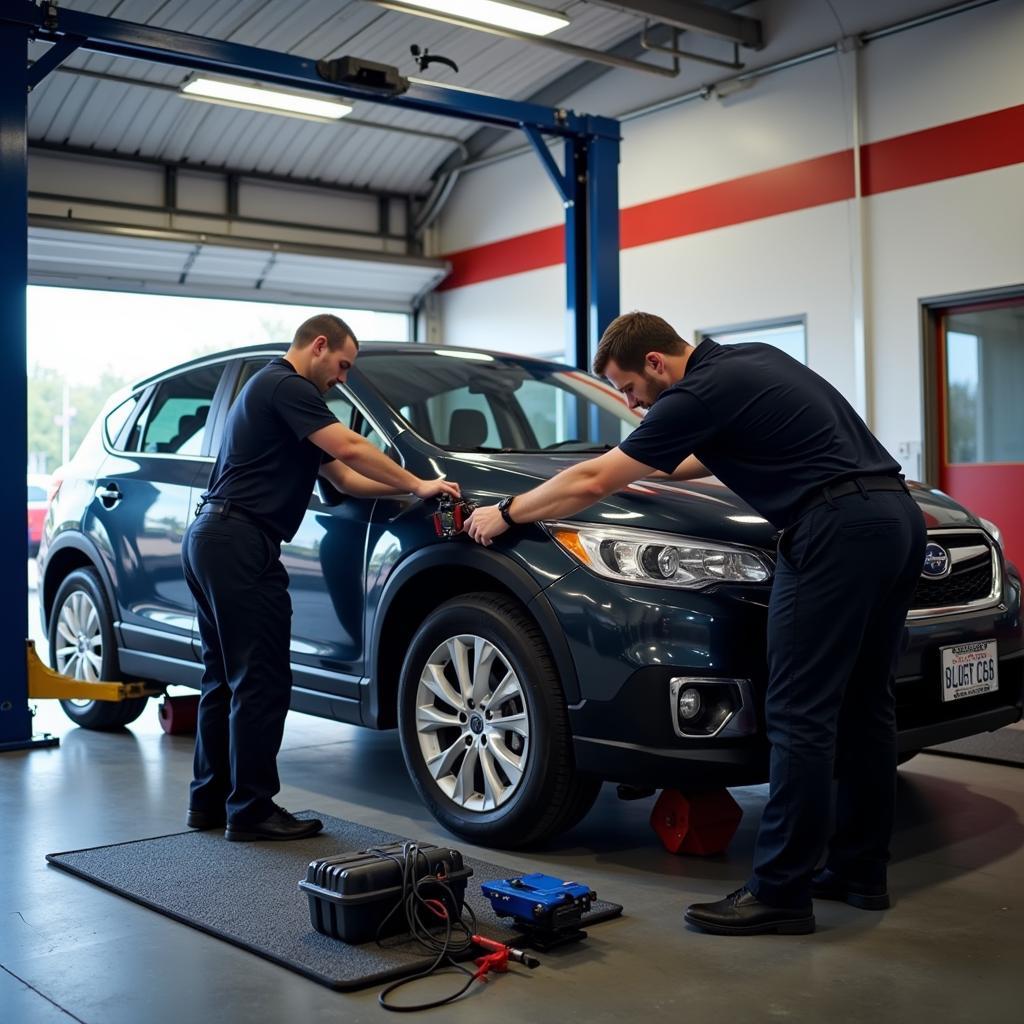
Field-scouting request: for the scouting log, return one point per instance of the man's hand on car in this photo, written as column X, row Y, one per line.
column 485, row 524
column 434, row 488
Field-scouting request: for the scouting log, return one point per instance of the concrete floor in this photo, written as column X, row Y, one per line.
column 949, row 950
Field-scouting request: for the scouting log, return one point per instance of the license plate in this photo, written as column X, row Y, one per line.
column 969, row 670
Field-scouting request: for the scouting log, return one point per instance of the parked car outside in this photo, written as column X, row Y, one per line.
column 624, row 645
column 38, row 490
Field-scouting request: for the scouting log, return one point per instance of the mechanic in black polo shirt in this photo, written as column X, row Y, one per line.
column 279, row 435
column 850, row 553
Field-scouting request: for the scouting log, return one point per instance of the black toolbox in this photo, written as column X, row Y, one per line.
column 350, row 895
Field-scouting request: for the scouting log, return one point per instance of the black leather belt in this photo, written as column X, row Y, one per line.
column 229, row 510
column 830, row 492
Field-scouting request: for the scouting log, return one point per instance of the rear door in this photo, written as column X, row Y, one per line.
column 143, row 499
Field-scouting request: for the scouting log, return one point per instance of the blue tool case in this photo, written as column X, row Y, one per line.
column 540, row 900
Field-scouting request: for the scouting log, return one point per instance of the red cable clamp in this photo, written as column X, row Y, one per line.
column 497, row 960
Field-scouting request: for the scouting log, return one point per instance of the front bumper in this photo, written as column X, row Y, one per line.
column 628, row 642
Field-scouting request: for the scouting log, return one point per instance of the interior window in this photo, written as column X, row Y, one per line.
column 175, row 422
column 788, row 335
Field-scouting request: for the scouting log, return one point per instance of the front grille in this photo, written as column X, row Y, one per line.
column 970, row 580
column 957, row 588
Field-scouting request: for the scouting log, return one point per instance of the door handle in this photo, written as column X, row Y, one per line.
column 110, row 495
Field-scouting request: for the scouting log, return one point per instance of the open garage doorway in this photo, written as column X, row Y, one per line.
column 83, row 345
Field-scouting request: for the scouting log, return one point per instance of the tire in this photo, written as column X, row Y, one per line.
column 83, row 646
column 483, row 799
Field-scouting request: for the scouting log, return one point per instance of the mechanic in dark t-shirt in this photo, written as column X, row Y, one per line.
column 849, row 556
column 278, row 436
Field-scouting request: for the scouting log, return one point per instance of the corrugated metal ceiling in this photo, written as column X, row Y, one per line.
column 117, row 117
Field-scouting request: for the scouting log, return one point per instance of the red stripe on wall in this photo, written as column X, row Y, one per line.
column 948, row 151
column 824, row 179
column 962, row 147
column 538, row 249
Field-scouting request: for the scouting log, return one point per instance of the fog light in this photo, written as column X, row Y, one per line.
column 689, row 703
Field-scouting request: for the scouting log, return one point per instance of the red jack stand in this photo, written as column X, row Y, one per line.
column 703, row 823
column 178, row 715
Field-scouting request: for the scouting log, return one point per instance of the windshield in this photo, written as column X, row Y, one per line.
column 472, row 401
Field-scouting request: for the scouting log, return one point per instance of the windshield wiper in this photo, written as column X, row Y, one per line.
column 576, row 440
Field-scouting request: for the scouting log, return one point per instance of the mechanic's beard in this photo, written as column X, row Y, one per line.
column 656, row 386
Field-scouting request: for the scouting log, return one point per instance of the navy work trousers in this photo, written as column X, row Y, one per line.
column 240, row 587
column 843, row 585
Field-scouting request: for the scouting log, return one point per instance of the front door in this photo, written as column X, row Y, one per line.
column 981, row 379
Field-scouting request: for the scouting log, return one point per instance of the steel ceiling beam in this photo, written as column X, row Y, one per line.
column 694, row 17
column 162, row 46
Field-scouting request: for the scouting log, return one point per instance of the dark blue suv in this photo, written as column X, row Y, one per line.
column 626, row 645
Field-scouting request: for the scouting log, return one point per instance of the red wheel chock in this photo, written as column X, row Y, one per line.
column 178, row 715
column 702, row 823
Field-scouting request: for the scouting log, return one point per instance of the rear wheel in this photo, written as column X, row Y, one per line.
column 484, row 726
column 82, row 646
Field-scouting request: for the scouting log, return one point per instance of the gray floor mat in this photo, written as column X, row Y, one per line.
column 1004, row 746
column 247, row 894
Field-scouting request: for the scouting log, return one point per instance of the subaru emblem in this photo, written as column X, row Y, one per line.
column 936, row 561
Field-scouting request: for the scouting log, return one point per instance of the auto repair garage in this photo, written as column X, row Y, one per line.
column 523, row 510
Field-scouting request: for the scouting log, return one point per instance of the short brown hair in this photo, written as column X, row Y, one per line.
column 332, row 327
column 628, row 339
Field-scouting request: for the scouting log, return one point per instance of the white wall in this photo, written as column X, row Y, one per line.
column 961, row 234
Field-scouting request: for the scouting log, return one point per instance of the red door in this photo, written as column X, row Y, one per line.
column 981, row 413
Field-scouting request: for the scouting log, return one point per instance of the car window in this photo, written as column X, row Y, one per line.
column 461, row 419
column 36, row 493
column 175, row 421
column 117, row 418
column 349, row 415
column 249, row 369
column 466, row 401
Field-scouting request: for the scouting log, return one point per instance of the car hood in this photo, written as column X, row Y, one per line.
column 697, row 508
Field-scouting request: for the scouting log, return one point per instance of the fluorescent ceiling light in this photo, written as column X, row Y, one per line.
column 255, row 97
column 493, row 12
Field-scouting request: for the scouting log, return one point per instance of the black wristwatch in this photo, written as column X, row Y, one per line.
column 503, row 508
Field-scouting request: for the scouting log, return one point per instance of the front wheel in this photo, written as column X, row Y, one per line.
column 82, row 646
column 484, row 726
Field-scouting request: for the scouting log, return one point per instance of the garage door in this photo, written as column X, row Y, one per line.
column 160, row 263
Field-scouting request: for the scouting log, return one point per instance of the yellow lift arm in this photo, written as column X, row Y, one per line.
column 45, row 684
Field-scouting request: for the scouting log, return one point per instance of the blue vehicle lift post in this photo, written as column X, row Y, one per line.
column 588, row 185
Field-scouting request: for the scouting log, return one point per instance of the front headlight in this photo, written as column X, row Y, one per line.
column 665, row 559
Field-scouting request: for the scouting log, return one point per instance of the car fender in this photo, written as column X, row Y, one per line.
column 86, row 547
column 504, row 571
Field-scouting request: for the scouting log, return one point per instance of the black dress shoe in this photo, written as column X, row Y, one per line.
column 205, row 819
column 827, row 885
column 279, row 825
column 742, row 913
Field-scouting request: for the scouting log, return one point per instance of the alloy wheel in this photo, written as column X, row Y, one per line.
column 80, row 639
column 472, row 723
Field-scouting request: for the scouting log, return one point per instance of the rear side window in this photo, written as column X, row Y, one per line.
column 116, row 419
column 174, row 423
